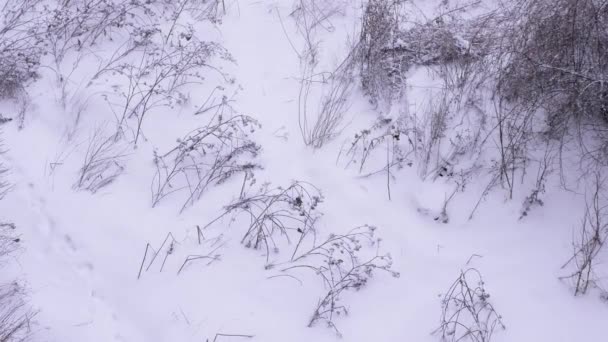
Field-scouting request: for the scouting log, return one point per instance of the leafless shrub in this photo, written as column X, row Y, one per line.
column 334, row 105
column 138, row 40
column 467, row 314
column 278, row 211
column 212, row 10
column 207, row 156
column 390, row 45
column 552, row 64
column 288, row 213
column 540, row 58
column 545, row 168
column 422, row 139
column 460, row 180
column 15, row 316
column 157, row 57
column 74, row 28
column 329, row 116
column 337, row 261
column 310, row 16
column 320, row 125
column 103, row 162
column 219, row 104
column 432, row 131
column 366, row 146
column 433, row 42
column 590, row 244
column 449, row 129
column 366, row 142
column 75, row 25
column 15, row 319
column 447, row 38
column 518, row 141
column 381, row 73
column 447, row 135
column 158, row 78
column 20, row 50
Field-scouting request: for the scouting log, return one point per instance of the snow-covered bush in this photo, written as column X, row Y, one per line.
column 154, row 54
column 442, row 137
column 289, row 213
column 589, row 246
column 381, row 73
column 76, row 25
column 555, row 65
column 207, row 156
column 340, row 262
column 390, row 45
column 527, row 77
column 103, row 161
column 14, row 317
column 333, row 105
column 76, row 30
column 323, row 99
column 14, row 314
column 380, row 149
column 467, row 314
column 158, row 79
column 361, row 149
column 20, row 45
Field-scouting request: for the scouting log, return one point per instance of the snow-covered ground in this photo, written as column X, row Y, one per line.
column 82, row 251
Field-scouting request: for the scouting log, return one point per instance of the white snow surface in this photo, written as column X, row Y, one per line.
column 82, row 251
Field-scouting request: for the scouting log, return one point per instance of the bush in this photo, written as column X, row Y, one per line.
column 589, row 247
column 207, row 156
column 337, row 261
column 529, row 75
column 467, row 314
column 333, row 88
column 103, row 162
column 276, row 214
column 380, row 70
column 557, row 59
column 20, row 50
column 14, row 315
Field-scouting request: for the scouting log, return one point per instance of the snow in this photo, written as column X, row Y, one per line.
column 82, row 251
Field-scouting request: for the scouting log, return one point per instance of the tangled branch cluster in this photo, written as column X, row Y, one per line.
column 207, row 156
column 277, row 213
column 339, row 263
column 467, row 314
column 20, row 45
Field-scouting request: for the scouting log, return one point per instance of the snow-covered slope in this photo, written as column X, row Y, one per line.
column 82, row 251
